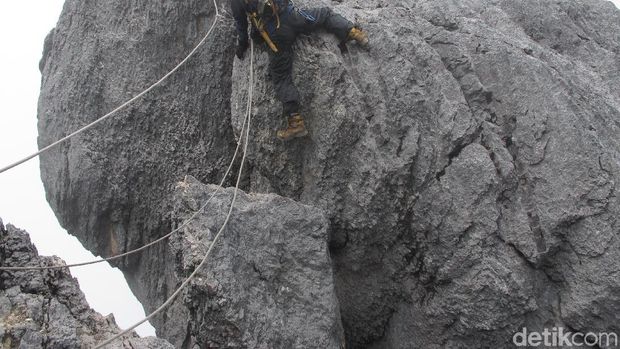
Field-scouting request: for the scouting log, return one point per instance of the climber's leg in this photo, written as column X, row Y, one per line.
column 281, row 68
column 326, row 18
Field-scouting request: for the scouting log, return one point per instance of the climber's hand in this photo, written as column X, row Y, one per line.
column 242, row 46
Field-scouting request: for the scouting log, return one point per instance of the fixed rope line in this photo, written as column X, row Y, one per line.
column 219, row 233
column 217, row 15
column 144, row 247
column 122, row 106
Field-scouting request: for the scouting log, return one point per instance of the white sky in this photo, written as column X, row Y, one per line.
column 23, row 26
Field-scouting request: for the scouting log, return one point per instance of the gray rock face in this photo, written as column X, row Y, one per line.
column 46, row 309
column 113, row 179
column 467, row 164
column 268, row 282
column 466, row 167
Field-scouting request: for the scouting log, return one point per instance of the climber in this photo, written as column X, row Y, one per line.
column 277, row 23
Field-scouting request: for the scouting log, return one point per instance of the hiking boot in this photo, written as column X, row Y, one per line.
column 296, row 128
column 358, row 35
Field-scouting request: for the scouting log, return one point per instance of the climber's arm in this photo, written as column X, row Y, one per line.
column 241, row 23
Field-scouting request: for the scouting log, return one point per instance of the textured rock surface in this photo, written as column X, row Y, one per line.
column 467, row 163
column 46, row 309
column 268, row 282
column 110, row 182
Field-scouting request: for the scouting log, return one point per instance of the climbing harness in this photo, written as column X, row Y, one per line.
column 260, row 26
column 122, row 106
column 256, row 17
column 248, row 117
column 259, row 10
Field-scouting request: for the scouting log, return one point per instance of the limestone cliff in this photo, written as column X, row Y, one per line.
column 464, row 169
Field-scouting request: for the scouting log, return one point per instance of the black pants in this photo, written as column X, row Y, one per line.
column 281, row 63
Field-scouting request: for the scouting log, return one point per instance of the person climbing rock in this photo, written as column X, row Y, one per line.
column 278, row 23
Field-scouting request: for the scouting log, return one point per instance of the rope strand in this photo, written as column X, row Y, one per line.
column 122, row 106
column 219, row 233
column 144, row 247
column 217, row 15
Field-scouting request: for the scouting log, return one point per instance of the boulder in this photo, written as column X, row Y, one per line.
column 268, row 282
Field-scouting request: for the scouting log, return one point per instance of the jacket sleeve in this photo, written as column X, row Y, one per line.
column 241, row 20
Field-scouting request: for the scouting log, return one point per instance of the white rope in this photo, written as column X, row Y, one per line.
column 183, row 225
column 122, row 106
column 219, row 233
column 101, row 119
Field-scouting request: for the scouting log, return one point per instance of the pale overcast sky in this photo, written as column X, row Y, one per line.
column 23, row 26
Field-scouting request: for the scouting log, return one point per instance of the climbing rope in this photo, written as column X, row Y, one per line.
column 122, row 106
column 248, row 117
column 184, row 224
column 144, row 247
column 247, row 120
